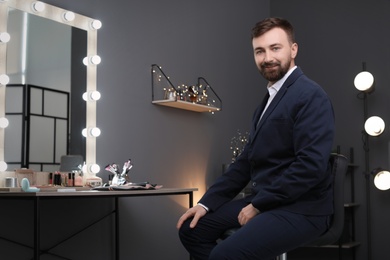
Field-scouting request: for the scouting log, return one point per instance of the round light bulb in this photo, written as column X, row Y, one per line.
column 95, row 59
column 69, row 16
column 84, row 132
column 96, row 24
column 4, row 79
column 382, row 180
column 364, row 81
column 95, row 132
column 85, row 61
column 3, row 122
column 3, row 166
column 374, row 126
column 94, row 168
column 38, row 6
column 93, row 96
column 5, row 37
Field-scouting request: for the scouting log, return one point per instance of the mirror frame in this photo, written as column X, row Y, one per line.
column 80, row 21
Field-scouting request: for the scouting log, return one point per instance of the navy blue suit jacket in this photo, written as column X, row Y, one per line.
column 286, row 157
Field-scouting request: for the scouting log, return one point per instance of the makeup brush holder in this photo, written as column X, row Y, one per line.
column 118, row 179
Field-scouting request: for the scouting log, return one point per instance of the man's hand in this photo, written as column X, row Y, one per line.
column 247, row 214
column 197, row 212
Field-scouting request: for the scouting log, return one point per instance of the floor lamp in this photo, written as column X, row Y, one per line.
column 373, row 126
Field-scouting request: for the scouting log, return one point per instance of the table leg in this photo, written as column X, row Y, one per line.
column 117, row 241
column 191, row 198
column 36, row 229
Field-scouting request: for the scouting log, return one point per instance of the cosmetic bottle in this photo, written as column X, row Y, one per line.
column 70, row 180
column 78, row 181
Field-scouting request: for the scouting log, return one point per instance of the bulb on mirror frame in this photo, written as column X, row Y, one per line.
column 93, row 131
column 91, row 96
column 94, row 168
column 374, row 126
column 4, row 79
column 3, row 166
column 364, row 81
column 68, row 16
column 3, row 122
column 382, row 180
column 96, row 24
column 95, row 60
column 38, row 6
column 5, row 37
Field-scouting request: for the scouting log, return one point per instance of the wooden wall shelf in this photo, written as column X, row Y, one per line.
column 185, row 105
column 198, row 98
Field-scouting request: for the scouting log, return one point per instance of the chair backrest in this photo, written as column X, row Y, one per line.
column 339, row 166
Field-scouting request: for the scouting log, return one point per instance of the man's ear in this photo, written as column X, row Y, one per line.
column 294, row 50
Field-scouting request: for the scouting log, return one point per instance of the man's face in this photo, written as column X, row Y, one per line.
column 274, row 54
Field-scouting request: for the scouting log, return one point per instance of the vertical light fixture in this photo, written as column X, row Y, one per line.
column 373, row 126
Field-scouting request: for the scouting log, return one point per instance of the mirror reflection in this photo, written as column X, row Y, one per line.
column 44, row 102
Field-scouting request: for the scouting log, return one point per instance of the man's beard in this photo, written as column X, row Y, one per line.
column 278, row 72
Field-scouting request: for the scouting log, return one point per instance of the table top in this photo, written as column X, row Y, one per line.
column 95, row 193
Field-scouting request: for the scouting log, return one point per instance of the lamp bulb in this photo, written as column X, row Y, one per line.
column 93, row 96
column 374, row 126
column 95, row 132
column 94, row 168
column 69, row 16
column 5, row 37
column 3, row 166
column 364, row 81
column 95, row 59
column 96, row 24
column 84, row 132
column 3, row 122
column 38, row 6
column 4, row 79
column 382, row 180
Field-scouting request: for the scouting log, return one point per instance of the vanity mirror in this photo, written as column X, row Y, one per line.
column 47, row 102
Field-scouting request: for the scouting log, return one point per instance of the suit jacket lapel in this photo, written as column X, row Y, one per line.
column 282, row 91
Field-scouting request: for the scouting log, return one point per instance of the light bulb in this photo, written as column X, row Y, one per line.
column 91, row 96
column 374, row 126
column 4, row 79
column 38, row 6
column 382, row 180
column 3, row 166
column 94, row 168
column 93, row 131
column 68, row 16
column 3, row 122
column 5, row 37
column 96, row 24
column 84, row 132
column 95, row 59
column 364, row 81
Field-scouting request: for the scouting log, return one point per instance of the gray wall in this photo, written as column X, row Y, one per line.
column 185, row 149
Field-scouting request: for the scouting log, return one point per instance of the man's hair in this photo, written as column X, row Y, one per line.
column 271, row 23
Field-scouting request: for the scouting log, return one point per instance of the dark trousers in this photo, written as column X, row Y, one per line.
column 264, row 237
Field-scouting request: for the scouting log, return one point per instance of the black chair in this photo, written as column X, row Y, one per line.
column 339, row 164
